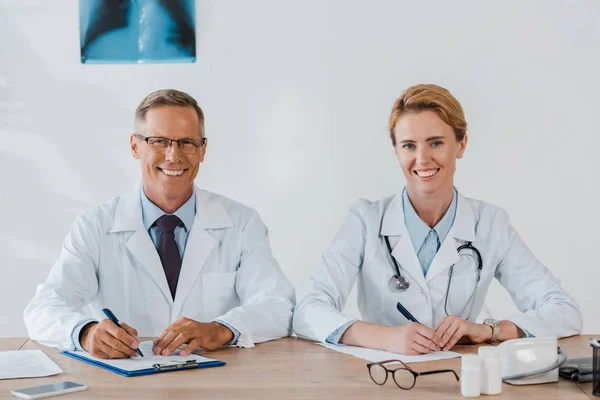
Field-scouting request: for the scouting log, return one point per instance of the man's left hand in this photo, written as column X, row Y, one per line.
column 452, row 329
column 208, row 335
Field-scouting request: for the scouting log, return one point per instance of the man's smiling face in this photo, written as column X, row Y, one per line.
column 169, row 174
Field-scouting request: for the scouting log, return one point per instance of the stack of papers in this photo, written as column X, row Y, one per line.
column 26, row 364
column 380, row 355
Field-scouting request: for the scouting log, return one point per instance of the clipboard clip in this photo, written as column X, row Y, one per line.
column 174, row 365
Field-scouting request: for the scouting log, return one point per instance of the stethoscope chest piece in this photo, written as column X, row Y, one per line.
column 399, row 283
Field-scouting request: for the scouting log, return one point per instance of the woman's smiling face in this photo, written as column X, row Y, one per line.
column 427, row 150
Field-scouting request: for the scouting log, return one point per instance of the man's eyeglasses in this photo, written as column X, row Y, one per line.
column 404, row 376
column 162, row 144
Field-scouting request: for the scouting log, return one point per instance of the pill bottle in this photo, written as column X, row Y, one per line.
column 491, row 371
column 470, row 375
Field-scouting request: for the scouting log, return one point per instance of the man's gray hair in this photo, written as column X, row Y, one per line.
column 167, row 97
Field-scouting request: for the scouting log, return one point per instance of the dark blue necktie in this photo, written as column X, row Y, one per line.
column 168, row 251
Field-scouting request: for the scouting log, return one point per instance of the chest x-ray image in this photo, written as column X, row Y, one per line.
column 137, row 31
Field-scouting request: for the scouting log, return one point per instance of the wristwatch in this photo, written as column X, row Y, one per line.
column 495, row 325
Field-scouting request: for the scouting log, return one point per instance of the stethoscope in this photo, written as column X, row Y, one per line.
column 399, row 283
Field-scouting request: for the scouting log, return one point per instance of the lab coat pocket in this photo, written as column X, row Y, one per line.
column 218, row 293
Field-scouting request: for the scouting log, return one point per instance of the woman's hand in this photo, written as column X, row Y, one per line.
column 452, row 329
column 410, row 339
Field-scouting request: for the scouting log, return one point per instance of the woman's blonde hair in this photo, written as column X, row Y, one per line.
column 434, row 98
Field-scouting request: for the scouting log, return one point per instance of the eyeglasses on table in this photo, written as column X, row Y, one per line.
column 404, row 377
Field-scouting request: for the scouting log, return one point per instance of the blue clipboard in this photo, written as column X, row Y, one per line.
column 158, row 368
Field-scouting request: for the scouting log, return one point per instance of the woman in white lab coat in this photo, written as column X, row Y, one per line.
column 428, row 275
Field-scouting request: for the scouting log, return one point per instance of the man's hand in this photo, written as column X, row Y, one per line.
column 208, row 335
column 452, row 329
column 410, row 339
column 107, row 340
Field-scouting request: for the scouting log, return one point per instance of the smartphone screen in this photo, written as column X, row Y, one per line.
column 46, row 389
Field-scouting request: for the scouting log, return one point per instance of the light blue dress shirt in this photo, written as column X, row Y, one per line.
column 426, row 241
column 150, row 213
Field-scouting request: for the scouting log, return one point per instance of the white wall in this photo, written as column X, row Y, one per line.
column 297, row 95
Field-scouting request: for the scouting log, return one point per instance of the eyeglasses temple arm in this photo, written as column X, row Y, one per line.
column 441, row 371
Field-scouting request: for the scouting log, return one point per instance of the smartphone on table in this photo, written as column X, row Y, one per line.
column 53, row 389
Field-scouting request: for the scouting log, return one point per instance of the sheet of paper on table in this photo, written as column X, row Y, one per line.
column 380, row 355
column 26, row 364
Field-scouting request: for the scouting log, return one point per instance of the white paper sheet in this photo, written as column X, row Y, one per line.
column 149, row 359
column 26, row 364
column 379, row 355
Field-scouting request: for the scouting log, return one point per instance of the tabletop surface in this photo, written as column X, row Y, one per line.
column 282, row 369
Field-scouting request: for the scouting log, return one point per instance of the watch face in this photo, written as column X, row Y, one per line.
column 491, row 321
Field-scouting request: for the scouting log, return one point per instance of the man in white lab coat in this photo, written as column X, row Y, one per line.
column 168, row 259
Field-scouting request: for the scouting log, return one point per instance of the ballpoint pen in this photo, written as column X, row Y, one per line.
column 408, row 315
column 114, row 319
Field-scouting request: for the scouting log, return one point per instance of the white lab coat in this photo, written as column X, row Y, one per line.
column 108, row 260
column 359, row 251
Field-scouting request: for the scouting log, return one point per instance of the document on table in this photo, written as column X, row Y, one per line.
column 26, row 364
column 380, row 355
column 147, row 362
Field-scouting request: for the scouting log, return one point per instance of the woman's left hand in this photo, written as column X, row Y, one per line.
column 451, row 329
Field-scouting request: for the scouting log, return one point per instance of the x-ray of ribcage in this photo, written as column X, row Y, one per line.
column 137, row 31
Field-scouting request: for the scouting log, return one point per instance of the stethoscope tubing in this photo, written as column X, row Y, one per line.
column 394, row 262
column 398, row 275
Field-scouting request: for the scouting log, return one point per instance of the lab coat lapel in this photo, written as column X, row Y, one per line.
column 128, row 217
column 402, row 248
column 210, row 214
column 463, row 230
column 445, row 257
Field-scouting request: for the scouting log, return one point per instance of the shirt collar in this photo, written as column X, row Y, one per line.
column 150, row 212
column 418, row 230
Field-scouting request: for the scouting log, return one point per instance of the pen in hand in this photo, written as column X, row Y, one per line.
column 406, row 313
column 409, row 316
column 114, row 319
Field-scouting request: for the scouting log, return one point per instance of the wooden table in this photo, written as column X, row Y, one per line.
column 283, row 369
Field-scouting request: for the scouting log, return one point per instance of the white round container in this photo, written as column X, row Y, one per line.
column 491, row 371
column 494, row 375
column 470, row 375
column 488, row 351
